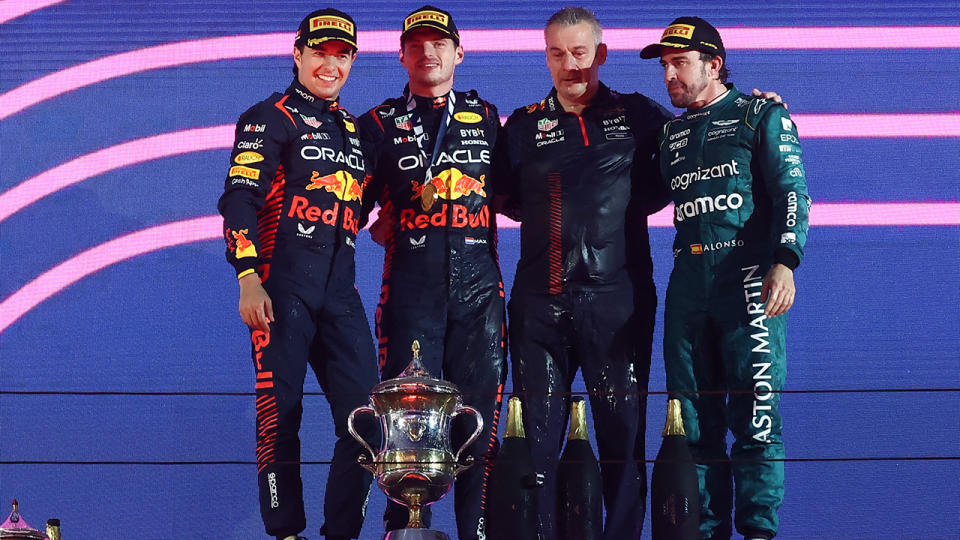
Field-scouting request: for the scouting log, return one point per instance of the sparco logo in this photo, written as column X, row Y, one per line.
column 272, row 483
column 684, row 180
column 705, row 205
column 762, row 389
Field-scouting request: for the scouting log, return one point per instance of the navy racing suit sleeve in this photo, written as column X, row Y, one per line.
column 372, row 139
column 257, row 149
column 779, row 158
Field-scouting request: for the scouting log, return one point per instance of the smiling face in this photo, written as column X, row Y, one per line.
column 430, row 57
column 574, row 60
column 324, row 70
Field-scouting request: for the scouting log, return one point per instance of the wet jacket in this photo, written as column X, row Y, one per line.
column 459, row 226
column 583, row 186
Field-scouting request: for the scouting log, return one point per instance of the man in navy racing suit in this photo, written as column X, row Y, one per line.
column 733, row 165
column 432, row 149
column 290, row 207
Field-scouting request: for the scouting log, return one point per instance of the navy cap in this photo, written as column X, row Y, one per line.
column 326, row 25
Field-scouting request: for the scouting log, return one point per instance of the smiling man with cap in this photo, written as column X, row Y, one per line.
column 733, row 165
column 290, row 224
column 441, row 281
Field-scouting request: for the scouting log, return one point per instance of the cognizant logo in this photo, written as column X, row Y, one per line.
column 723, row 170
column 705, row 205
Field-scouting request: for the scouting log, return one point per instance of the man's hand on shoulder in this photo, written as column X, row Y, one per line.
column 778, row 290
column 256, row 309
column 772, row 96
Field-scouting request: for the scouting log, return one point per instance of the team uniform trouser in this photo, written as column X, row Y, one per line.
column 333, row 336
column 462, row 341
column 600, row 333
column 727, row 363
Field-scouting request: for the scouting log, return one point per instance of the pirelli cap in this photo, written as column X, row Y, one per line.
column 430, row 17
column 687, row 33
column 325, row 25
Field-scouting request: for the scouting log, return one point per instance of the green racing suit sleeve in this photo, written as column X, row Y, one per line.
column 778, row 156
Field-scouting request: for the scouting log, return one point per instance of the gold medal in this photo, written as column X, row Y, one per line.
column 428, row 196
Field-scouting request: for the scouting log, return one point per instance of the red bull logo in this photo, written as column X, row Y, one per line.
column 460, row 218
column 341, row 183
column 451, row 184
column 301, row 208
column 245, row 247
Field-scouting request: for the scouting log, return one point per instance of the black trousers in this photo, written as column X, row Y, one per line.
column 608, row 336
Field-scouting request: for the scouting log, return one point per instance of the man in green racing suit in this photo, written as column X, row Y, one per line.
column 734, row 169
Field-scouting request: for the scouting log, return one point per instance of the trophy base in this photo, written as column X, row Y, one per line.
column 415, row 534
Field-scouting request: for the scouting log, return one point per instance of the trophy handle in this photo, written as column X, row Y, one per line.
column 362, row 459
column 471, row 440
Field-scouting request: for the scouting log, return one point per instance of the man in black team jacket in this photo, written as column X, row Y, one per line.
column 441, row 279
column 290, row 214
column 580, row 162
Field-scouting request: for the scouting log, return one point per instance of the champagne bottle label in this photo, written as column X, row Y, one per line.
column 515, row 418
column 674, row 425
column 578, row 420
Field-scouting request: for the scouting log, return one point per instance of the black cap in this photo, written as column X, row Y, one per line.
column 431, row 17
column 325, row 25
column 687, row 33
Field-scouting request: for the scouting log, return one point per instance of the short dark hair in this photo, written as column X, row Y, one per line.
column 724, row 72
column 296, row 70
column 570, row 16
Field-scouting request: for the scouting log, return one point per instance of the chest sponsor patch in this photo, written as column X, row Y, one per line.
column 547, row 124
column 403, row 122
column 467, row 117
column 311, row 121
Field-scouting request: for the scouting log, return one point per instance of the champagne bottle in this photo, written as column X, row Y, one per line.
column 512, row 488
column 675, row 492
column 53, row 529
column 579, row 484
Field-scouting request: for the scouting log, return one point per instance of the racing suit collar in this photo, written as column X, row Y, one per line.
column 732, row 93
column 602, row 96
column 299, row 92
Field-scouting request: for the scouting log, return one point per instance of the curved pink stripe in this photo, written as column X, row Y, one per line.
column 95, row 259
column 11, row 9
column 861, row 214
column 812, row 126
column 280, row 44
column 210, row 228
column 878, row 125
column 108, row 159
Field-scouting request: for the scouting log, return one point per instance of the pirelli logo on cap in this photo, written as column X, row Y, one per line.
column 684, row 31
column 331, row 21
column 426, row 16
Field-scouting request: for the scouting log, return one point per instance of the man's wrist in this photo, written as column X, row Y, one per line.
column 786, row 257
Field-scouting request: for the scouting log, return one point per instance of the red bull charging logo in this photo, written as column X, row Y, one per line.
column 341, row 183
column 451, row 184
